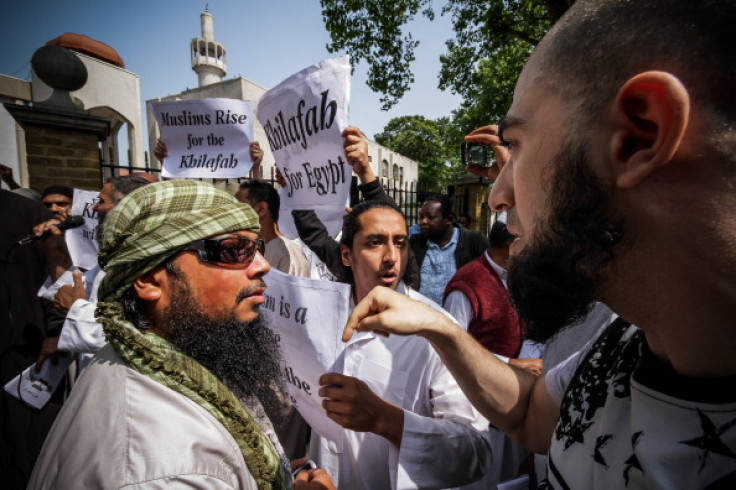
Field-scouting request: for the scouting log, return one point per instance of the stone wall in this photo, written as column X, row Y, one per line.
column 62, row 156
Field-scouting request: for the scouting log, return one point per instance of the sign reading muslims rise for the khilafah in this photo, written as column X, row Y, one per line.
column 206, row 138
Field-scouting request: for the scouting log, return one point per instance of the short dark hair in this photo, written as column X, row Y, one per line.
column 598, row 45
column 125, row 184
column 351, row 226
column 499, row 236
column 445, row 205
column 262, row 191
column 58, row 189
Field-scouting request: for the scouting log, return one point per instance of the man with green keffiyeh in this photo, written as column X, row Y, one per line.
column 185, row 392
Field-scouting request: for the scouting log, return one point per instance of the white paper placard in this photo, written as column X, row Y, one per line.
column 205, row 138
column 80, row 241
column 303, row 118
column 35, row 389
column 307, row 316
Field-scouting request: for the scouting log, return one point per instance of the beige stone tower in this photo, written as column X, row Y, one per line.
column 208, row 55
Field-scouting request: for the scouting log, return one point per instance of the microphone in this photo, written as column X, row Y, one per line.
column 71, row 222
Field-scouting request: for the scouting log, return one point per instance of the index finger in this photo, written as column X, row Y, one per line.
column 302, row 476
column 488, row 135
column 362, row 310
column 49, row 225
column 318, row 475
column 352, row 131
column 489, row 129
column 77, row 277
column 331, row 379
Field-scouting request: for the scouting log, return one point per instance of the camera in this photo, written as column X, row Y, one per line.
column 476, row 154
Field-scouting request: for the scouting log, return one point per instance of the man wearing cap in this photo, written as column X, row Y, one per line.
column 181, row 395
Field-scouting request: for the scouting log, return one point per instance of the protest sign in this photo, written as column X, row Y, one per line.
column 81, row 241
column 36, row 389
column 206, row 138
column 307, row 317
column 303, row 117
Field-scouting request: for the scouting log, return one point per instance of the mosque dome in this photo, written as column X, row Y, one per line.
column 87, row 45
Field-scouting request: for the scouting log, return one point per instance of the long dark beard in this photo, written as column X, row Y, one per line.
column 243, row 355
column 553, row 280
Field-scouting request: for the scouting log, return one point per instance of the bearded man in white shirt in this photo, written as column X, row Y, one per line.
column 407, row 423
column 183, row 393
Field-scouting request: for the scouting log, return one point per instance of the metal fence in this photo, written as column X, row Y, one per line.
column 409, row 196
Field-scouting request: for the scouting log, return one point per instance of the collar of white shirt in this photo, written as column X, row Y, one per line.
column 497, row 269
column 362, row 336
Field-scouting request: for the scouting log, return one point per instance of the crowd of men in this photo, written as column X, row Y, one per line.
column 591, row 327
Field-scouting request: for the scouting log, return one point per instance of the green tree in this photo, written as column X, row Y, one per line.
column 375, row 31
column 425, row 141
column 487, row 100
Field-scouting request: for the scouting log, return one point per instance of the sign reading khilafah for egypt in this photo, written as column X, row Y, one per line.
column 303, row 118
column 206, row 138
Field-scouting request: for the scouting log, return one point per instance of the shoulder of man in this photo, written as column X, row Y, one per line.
column 474, row 236
column 476, row 265
column 477, row 241
column 416, row 295
column 417, row 239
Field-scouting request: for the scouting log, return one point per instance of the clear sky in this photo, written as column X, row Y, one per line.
column 266, row 41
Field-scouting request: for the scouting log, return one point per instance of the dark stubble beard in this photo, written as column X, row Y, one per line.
column 243, row 355
column 553, row 280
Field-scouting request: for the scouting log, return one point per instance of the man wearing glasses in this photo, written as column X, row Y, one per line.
column 183, row 392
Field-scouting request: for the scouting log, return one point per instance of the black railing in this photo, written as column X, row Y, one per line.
column 409, row 196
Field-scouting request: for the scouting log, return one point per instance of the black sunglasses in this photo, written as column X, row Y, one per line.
column 235, row 250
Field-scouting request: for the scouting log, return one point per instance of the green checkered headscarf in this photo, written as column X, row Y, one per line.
column 147, row 227
column 156, row 221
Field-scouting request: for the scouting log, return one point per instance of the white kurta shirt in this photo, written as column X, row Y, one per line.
column 81, row 333
column 442, row 445
column 121, row 429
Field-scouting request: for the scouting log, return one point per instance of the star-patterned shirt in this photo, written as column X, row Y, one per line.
column 628, row 421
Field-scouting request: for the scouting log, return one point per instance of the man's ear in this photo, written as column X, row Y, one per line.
column 652, row 111
column 345, row 256
column 148, row 287
column 261, row 209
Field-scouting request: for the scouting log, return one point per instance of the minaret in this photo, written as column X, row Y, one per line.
column 208, row 56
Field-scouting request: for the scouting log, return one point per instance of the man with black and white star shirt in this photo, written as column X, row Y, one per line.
column 620, row 189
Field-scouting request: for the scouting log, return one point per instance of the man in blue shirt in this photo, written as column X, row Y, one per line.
column 442, row 247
